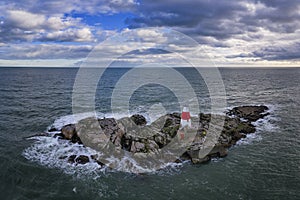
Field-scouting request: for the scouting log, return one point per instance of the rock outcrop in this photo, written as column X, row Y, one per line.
column 134, row 135
column 250, row 113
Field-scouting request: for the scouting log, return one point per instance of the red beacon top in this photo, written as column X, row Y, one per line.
column 185, row 117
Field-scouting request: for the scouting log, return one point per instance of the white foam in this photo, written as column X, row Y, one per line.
column 128, row 164
column 53, row 153
column 74, row 118
column 70, row 119
column 217, row 159
column 266, row 124
column 249, row 139
column 49, row 151
column 269, row 122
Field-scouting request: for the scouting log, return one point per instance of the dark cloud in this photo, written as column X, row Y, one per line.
column 64, row 6
column 273, row 53
column 148, row 51
column 241, row 55
column 288, row 52
column 207, row 18
column 275, row 15
column 219, row 18
column 188, row 13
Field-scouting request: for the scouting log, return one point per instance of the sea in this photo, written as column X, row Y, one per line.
column 265, row 165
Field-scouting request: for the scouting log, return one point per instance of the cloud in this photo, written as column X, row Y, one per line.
column 277, row 16
column 287, row 52
column 52, row 7
column 25, row 26
column 149, row 51
column 208, row 18
column 71, row 34
column 38, row 20
column 45, row 51
column 24, row 20
column 246, row 31
column 220, row 19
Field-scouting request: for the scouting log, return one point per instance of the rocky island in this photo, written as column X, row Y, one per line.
column 134, row 135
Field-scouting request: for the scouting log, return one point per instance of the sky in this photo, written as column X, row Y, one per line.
column 242, row 33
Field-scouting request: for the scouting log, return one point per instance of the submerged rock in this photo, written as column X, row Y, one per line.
column 81, row 159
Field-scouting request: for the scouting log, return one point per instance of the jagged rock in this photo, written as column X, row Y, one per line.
column 139, row 119
column 218, row 151
column 152, row 146
column 134, row 135
column 172, row 124
column 126, row 142
column 250, row 113
column 109, row 126
column 133, row 148
column 82, row 159
column 196, row 160
column 185, row 156
column 71, row 159
column 160, row 140
column 140, row 147
column 68, row 131
column 116, row 136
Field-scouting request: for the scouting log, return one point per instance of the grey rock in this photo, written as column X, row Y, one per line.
column 134, row 135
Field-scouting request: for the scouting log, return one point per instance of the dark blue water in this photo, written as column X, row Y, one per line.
column 264, row 166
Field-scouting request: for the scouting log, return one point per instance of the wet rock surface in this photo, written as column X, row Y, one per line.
column 139, row 119
column 132, row 134
column 250, row 113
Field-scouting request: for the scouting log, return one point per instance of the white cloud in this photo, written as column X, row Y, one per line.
column 58, row 23
column 77, row 35
column 25, row 26
column 25, row 20
column 103, row 34
column 153, row 36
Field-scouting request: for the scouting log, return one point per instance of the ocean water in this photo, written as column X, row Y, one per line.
column 265, row 165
